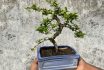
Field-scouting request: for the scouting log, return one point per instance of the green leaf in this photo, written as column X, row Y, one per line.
column 79, row 34
column 72, row 16
column 46, row 12
column 54, row 3
column 43, row 29
column 34, row 7
column 75, row 27
column 66, row 9
column 57, row 10
column 46, row 22
column 49, row 1
column 53, row 26
column 32, row 49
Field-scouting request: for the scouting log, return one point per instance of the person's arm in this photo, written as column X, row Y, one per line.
column 85, row 66
column 93, row 67
column 81, row 66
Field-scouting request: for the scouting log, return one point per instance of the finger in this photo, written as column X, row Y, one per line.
column 35, row 61
column 81, row 64
column 81, row 61
column 34, row 65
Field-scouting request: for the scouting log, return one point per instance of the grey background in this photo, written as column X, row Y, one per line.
column 18, row 35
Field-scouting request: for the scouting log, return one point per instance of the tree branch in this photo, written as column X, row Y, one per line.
column 60, row 27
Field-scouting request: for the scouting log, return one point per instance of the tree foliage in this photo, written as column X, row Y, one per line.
column 47, row 26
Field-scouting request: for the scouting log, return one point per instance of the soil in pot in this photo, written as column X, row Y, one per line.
column 51, row 51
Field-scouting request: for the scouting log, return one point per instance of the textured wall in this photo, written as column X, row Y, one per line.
column 17, row 34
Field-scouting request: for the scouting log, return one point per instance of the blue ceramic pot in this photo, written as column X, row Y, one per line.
column 57, row 62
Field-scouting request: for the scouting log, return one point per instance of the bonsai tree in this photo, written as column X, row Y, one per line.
column 53, row 25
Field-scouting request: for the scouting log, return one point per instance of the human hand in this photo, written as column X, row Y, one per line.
column 85, row 66
column 81, row 66
column 34, row 65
